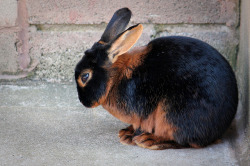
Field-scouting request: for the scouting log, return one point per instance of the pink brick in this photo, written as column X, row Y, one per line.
column 58, row 48
column 151, row 11
column 8, row 52
column 8, row 13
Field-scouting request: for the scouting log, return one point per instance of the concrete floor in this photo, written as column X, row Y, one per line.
column 45, row 124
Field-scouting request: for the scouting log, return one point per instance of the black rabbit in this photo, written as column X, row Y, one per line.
column 176, row 92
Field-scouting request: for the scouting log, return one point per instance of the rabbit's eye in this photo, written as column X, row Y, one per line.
column 85, row 77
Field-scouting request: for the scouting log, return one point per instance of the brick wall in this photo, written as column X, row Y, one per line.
column 43, row 40
column 242, row 143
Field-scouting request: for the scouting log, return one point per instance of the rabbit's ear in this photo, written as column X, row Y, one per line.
column 124, row 42
column 116, row 25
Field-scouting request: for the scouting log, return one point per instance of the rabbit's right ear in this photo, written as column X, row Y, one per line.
column 124, row 41
column 116, row 25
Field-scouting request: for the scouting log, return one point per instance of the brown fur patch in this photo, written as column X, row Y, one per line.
column 195, row 146
column 157, row 123
column 129, row 61
column 101, row 100
column 121, row 115
column 218, row 141
column 102, row 42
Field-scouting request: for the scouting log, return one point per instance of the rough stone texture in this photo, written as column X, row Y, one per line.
column 23, row 25
column 58, row 50
column 242, row 141
column 150, row 11
column 45, row 124
column 60, row 31
column 8, row 52
column 8, row 13
column 221, row 37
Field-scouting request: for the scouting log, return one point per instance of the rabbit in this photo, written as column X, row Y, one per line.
column 174, row 92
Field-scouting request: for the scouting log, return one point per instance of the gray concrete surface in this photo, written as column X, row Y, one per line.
column 44, row 124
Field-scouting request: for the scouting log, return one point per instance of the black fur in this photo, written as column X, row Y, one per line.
column 196, row 83
column 94, row 59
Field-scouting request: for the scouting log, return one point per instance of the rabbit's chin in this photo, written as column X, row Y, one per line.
column 89, row 104
column 85, row 103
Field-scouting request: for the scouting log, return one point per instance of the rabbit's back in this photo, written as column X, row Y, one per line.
column 192, row 79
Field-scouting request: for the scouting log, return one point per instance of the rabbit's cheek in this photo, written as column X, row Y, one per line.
column 99, row 102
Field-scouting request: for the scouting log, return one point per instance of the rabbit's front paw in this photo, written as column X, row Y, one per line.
column 150, row 141
column 126, row 135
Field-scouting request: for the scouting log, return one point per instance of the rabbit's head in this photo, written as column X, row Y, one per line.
column 92, row 73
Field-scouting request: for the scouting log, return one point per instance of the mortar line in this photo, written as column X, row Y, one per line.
column 50, row 27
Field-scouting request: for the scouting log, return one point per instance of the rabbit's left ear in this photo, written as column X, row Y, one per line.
column 116, row 25
column 124, row 42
